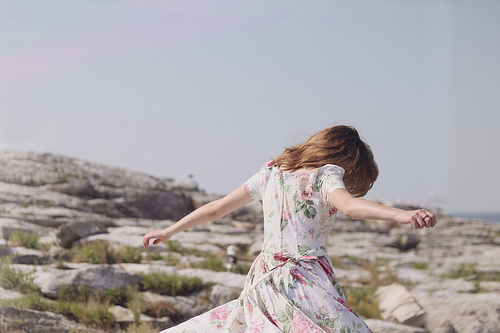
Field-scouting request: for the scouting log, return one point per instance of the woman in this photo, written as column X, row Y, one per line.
column 291, row 286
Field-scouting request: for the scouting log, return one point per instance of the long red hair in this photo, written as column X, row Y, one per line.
column 338, row 145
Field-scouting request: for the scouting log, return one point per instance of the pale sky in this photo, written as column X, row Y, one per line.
column 217, row 88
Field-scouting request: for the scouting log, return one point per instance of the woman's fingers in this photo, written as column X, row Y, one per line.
column 419, row 219
column 424, row 219
column 147, row 238
column 160, row 236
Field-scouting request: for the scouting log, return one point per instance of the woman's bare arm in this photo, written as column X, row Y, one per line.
column 357, row 208
column 209, row 212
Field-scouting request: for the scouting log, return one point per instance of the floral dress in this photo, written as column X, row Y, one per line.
column 291, row 286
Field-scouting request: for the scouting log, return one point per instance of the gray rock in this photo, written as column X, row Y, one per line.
column 256, row 246
column 398, row 304
column 49, row 279
column 9, row 225
column 449, row 311
column 30, row 256
column 221, row 294
column 73, row 231
column 9, row 294
column 30, row 178
column 125, row 317
column 4, row 248
column 178, row 308
column 490, row 286
column 403, row 239
column 127, row 235
column 16, row 320
column 103, row 277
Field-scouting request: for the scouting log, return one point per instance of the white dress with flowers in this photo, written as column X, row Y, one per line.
column 291, row 286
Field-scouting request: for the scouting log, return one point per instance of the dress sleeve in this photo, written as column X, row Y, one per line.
column 253, row 186
column 331, row 180
column 256, row 184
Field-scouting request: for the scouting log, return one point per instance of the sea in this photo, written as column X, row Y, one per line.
column 491, row 217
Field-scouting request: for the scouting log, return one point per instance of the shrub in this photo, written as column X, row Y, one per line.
column 175, row 246
column 141, row 328
column 86, row 306
column 242, row 268
column 93, row 313
column 420, row 265
column 161, row 309
column 11, row 278
column 131, row 254
column 172, row 260
column 211, row 262
column 363, row 301
column 153, row 256
column 465, row 270
column 172, row 284
column 33, row 301
column 25, row 238
column 96, row 252
column 81, row 294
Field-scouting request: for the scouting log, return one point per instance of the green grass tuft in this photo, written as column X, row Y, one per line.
column 364, row 301
column 25, row 238
column 11, row 278
column 33, row 301
column 211, row 262
column 420, row 265
column 172, row 284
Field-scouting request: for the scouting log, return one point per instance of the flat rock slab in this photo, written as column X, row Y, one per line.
column 9, row 294
column 398, row 304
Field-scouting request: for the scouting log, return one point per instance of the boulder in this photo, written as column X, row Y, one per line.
column 256, row 246
column 27, row 256
column 73, row 231
column 49, row 279
column 403, row 239
column 222, row 294
column 397, row 304
column 178, row 308
column 18, row 320
column 103, row 277
column 125, row 317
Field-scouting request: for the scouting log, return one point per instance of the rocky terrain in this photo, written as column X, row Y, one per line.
column 71, row 244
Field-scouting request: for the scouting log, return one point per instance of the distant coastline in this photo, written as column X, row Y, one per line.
column 491, row 217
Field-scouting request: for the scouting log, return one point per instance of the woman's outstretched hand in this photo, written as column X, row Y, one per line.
column 160, row 235
column 420, row 218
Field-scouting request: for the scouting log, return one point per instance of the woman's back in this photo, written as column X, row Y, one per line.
column 297, row 213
